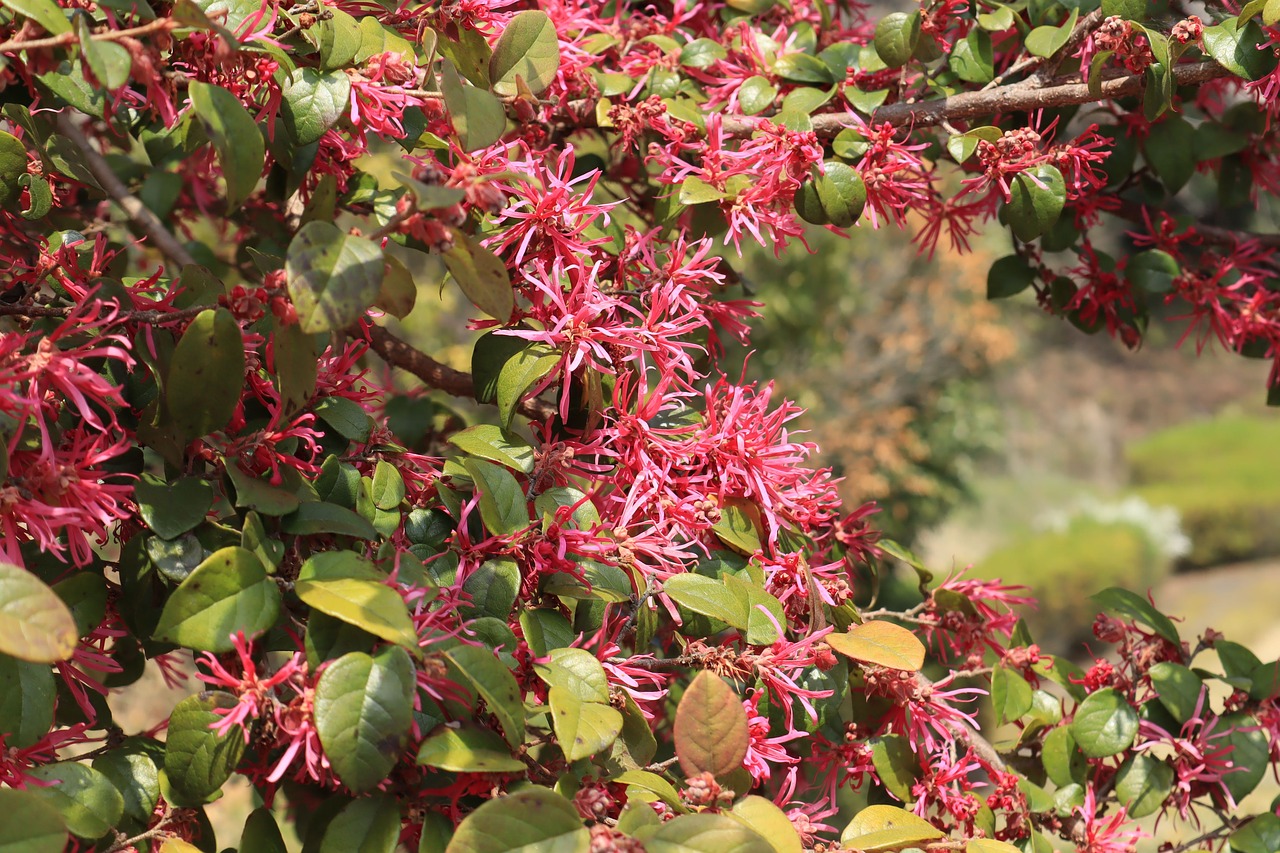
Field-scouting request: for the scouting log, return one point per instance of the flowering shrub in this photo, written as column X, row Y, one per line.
column 623, row 614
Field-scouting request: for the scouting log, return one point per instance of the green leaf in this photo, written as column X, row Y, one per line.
column 887, row 828
column 1036, row 200
column 1130, row 10
column 481, row 276
column 173, row 509
column 706, row 833
column 531, row 820
column 503, row 506
column 197, row 760
column 737, row 528
column 582, row 728
column 836, row 197
column 363, row 713
column 528, row 48
column 710, row 730
column 1142, row 784
column 880, row 643
column 1249, row 752
column 697, row 191
column 521, row 372
column 577, row 671
column 1179, row 689
column 86, row 595
column 478, row 117
column 1236, row 48
column 320, row 517
column 295, row 365
column 206, row 375
column 1062, row 759
column 236, row 138
column 896, row 37
column 468, row 750
column 46, row 13
column 707, row 596
column 110, row 62
column 338, row 36
column 388, row 486
column 312, row 101
column 89, row 804
column 1009, row 276
column 346, row 417
column 998, row 20
column 756, row 95
column 803, row 68
column 346, row 586
column 228, row 593
column 132, row 770
column 753, row 603
column 398, row 293
column 41, row 830
column 961, row 146
column 492, row 588
column 896, row 765
column 1130, row 605
column 367, row 825
column 333, row 277
column 1152, row 271
column 1104, row 724
column 487, row 676
column 1011, row 695
column 261, row 834
column 13, row 167
column 1046, row 41
column 972, row 59
column 35, row 624
column 1170, row 149
column 497, row 445
column 1260, row 835
column 27, row 695
column 769, row 822
column 258, row 495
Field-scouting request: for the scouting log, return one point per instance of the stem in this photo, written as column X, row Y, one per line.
column 398, row 353
column 138, row 212
column 147, row 317
column 158, row 25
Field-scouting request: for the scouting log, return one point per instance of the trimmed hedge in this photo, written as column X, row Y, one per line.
column 1223, row 477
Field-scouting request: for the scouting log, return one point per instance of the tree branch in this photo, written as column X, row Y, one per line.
column 1015, row 97
column 149, row 317
column 161, row 237
column 398, row 353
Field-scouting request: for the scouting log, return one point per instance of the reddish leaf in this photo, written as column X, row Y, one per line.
column 711, row 732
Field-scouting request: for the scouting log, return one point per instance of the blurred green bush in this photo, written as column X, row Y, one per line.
column 1063, row 568
column 1223, row 477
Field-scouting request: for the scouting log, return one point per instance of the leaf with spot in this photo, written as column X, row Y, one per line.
column 228, row 593
column 363, row 713
column 468, row 750
column 333, row 277
column 582, row 728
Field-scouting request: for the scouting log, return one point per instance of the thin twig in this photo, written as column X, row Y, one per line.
column 69, row 38
column 138, row 212
column 148, row 317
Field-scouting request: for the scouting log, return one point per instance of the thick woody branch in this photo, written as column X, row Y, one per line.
column 398, row 353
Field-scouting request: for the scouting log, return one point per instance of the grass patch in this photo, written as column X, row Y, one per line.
column 1223, row 477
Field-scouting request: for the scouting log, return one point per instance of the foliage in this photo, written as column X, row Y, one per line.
column 621, row 615
column 888, row 359
column 1226, row 492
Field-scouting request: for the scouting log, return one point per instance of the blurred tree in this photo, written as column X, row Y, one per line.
column 887, row 354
